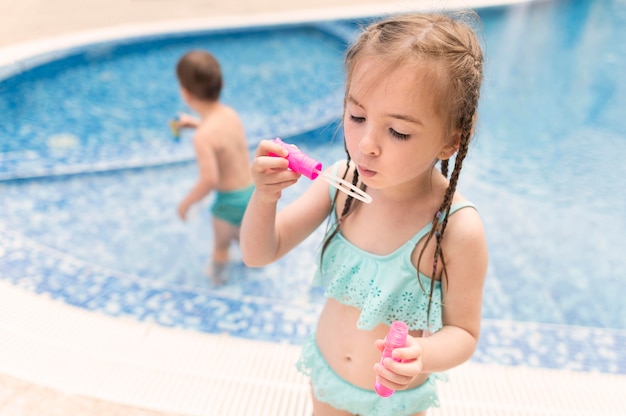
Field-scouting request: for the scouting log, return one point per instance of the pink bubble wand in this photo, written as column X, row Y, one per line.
column 311, row 168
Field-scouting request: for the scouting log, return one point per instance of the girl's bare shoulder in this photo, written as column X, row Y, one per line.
column 465, row 230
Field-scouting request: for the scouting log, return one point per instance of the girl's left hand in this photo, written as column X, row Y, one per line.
column 399, row 375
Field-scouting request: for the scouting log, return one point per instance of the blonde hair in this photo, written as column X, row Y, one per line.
column 452, row 47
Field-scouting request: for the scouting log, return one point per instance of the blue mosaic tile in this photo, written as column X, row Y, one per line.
column 282, row 81
column 258, row 315
column 552, row 346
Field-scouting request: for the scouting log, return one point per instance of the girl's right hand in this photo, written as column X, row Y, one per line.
column 270, row 171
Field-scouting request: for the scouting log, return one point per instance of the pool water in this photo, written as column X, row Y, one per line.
column 108, row 106
column 548, row 169
column 545, row 171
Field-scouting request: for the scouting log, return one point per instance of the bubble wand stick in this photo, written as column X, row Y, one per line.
column 301, row 163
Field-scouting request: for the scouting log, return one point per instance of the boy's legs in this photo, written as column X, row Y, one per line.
column 223, row 235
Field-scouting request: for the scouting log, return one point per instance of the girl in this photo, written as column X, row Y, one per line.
column 417, row 253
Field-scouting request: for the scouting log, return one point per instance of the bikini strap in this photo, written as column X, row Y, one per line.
column 453, row 208
column 459, row 205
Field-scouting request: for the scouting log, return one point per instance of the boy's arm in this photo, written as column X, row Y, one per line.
column 208, row 174
column 188, row 121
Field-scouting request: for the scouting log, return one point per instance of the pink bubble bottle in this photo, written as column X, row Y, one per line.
column 396, row 338
column 311, row 168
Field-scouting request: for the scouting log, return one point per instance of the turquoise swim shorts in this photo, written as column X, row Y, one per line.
column 231, row 205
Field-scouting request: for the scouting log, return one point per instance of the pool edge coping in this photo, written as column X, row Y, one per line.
column 43, row 50
column 97, row 362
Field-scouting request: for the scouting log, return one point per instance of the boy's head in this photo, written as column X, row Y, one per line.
column 200, row 75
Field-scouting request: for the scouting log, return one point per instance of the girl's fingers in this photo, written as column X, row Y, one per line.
column 271, row 162
column 268, row 147
column 270, row 171
column 390, row 378
column 405, row 368
column 379, row 344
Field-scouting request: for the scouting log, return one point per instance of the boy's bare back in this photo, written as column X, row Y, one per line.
column 222, row 150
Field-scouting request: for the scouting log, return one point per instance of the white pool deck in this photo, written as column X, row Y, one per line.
column 61, row 357
column 56, row 359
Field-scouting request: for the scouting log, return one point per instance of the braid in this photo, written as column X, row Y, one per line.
column 466, row 78
column 438, row 226
column 346, row 208
column 349, row 199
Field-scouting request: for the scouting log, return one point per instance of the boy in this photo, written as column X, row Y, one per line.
column 221, row 151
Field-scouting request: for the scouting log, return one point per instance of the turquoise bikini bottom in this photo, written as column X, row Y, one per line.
column 328, row 387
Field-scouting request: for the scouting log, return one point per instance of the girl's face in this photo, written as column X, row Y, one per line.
column 392, row 130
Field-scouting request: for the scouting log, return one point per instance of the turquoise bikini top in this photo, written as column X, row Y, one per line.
column 384, row 288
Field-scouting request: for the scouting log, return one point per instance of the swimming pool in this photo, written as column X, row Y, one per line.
column 107, row 239
column 107, row 106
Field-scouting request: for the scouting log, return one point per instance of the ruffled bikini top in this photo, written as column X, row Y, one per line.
column 384, row 288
